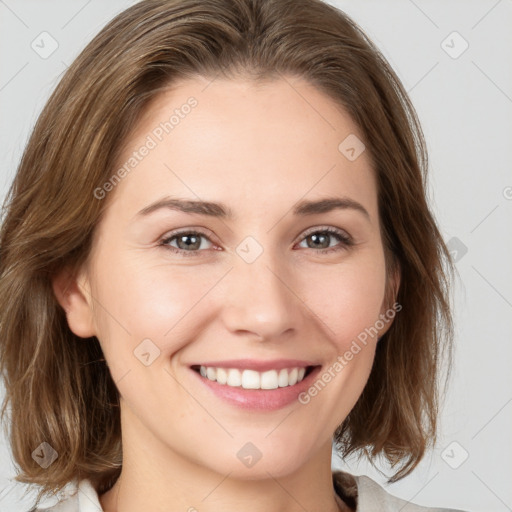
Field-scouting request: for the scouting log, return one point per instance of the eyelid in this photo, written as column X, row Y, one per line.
column 212, row 237
column 345, row 240
column 329, row 229
column 207, row 233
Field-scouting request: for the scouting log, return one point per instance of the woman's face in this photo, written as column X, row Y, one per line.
column 252, row 285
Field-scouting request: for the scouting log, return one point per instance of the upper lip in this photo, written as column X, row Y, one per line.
column 259, row 366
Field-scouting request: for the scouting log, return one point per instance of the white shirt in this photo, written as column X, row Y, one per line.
column 368, row 494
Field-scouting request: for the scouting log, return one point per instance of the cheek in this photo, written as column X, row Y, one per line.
column 140, row 299
column 348, row 300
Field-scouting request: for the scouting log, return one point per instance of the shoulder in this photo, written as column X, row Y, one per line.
column 75, row 497
column 368, row 496
column 359, row 491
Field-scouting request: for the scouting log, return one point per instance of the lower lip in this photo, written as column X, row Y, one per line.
column 259, row 399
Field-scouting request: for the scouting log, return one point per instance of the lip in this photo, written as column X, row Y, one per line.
column 258, row 399
column 259, row 366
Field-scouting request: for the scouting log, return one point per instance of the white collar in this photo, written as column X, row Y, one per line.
column 74, row 497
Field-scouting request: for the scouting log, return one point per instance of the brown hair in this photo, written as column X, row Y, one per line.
column 57, row 384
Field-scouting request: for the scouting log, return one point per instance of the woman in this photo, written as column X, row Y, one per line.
column 217, row 259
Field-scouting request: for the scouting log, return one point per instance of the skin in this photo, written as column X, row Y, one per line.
column 258, row 149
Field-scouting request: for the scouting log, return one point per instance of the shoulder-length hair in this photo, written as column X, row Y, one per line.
column 57, row 385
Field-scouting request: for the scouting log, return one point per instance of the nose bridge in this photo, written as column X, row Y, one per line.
column 259, row 298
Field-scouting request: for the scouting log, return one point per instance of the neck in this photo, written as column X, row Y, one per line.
column 155, row 477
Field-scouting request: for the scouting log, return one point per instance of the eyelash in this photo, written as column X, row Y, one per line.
column 346, row 241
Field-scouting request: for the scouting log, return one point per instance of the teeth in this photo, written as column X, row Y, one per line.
column 222, row 376
column 292, row 377
column 269, row 380
column 282, row 379
column 211, row 373
column 251, row 379
column 234, row 378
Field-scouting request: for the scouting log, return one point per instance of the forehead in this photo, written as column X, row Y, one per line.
column 245, row 143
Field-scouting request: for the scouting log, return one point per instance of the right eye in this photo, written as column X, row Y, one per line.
column 187, row 242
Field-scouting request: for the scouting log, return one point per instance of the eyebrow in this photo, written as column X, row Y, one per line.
column 220, row 210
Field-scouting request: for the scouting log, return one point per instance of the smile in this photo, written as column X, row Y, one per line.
column 252, row 379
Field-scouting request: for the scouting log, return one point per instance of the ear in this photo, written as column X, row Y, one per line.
column 72, row 291
column 389, row 310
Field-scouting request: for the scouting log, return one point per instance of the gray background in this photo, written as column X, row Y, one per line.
column 464, row 101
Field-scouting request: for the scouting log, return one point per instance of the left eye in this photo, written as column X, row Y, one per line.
column 190, row 242
column 319, row 238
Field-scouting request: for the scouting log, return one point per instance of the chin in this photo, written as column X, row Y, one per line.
column 255, row 461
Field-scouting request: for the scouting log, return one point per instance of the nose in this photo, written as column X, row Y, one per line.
column 260, row 299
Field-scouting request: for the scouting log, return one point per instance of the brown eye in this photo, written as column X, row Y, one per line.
column 321, row 239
